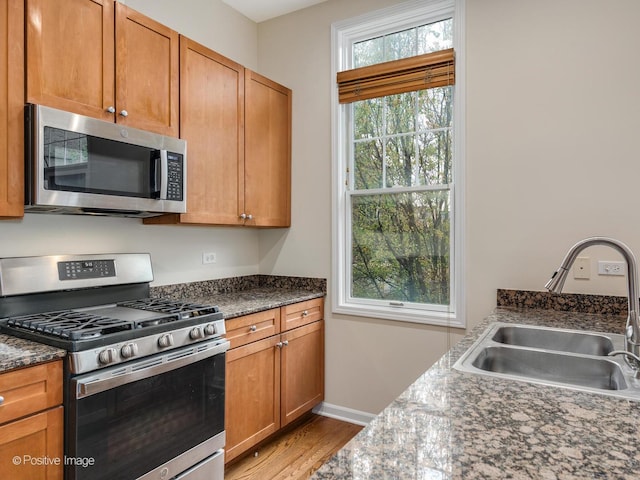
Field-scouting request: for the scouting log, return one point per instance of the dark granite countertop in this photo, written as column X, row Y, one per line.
column 244, row 295
column 255, row 300
column 16, row 353
column 454, row 425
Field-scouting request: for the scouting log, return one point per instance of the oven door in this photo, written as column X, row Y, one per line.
column 152, row 418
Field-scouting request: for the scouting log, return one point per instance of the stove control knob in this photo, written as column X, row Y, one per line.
column 210, row 329
column 165, row 341
column 129, row 350
column 108, row 355
column 195, row 333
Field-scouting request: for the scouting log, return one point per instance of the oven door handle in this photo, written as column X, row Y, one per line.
column 90, row 384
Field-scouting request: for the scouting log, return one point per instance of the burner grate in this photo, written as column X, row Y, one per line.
column 165, row 305
column 70, row 325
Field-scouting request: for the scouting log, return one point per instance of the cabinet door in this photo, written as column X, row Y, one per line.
column 27, row 445
column 302, row 373
column 267, row 172
column 12, row 108
column 70, row 47
column 252, row 395
column 147, row 72
column 211, row 121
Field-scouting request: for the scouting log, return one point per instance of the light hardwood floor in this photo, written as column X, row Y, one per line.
column 296, row 453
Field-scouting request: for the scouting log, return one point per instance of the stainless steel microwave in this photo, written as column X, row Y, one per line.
column 82, row 165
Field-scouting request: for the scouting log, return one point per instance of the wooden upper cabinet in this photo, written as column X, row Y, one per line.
column 267, row 171
column 103, row 60
column 147, row 73
column 12, row 108
column 70, row 55
column 211, row 121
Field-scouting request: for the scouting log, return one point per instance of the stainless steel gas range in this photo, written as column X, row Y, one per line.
column 144, row 377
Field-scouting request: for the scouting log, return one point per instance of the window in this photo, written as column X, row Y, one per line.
column 398, row 167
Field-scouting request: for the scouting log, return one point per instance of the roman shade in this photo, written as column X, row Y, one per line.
column 430, row 70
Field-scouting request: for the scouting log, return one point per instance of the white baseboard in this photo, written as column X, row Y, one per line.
column 343, row 413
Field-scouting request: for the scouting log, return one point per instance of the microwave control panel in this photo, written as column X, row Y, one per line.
column 175, row 176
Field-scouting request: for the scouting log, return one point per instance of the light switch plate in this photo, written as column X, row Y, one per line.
column 582, row 268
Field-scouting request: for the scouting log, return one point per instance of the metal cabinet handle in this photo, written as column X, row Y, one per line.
column 285, row 343
column 124, row 113
column 244, row 216
column 111, row 109
column 305, row 313
column 279, row 344
column 249, row 217
column 1, row 399
column 253, row 328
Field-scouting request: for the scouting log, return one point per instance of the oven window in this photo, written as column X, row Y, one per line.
column 75, row 162
column 134, row 428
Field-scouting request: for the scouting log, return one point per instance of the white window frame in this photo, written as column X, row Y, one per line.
column 343, row 35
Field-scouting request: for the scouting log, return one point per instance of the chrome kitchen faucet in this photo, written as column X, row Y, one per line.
column 632, row 329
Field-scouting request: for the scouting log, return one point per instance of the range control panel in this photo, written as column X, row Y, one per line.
column 83, row 269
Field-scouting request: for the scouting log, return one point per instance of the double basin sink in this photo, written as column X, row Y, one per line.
column 552, row 356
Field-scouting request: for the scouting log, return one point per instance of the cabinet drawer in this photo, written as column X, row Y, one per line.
column 30, row 390
column 302, row 313
column 249, row 328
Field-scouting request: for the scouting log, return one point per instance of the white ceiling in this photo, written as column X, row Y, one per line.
column 261, row 10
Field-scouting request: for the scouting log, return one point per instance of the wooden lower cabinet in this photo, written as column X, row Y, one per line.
column 32, row 423
column 252, row 396
column 302, row 371
column 32, row 447
column 272, row 381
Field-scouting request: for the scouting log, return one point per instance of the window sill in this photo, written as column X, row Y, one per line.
column 442, row 319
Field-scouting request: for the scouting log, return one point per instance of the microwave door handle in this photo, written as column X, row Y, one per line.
column 163, row 174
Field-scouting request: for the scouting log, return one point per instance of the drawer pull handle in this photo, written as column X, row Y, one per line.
column 253, row 328
column 285, row 343
column 305, row 313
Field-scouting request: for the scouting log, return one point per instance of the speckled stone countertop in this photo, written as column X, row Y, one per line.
column 16, row 353
column 455, row 425
column 244, row 295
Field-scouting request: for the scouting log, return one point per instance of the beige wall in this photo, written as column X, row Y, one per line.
column 551, row 158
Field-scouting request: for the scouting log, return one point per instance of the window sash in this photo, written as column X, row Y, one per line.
column 431, row 70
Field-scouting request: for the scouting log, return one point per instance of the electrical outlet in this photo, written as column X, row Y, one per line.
column 611, row 268
column 208, row 257
column 582, row 268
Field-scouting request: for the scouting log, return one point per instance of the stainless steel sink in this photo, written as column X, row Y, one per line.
column 552, row 356
column 554, row 339
column 552, row 367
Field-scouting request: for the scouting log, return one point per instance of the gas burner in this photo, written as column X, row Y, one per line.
column 164, row 305
column 68, row 324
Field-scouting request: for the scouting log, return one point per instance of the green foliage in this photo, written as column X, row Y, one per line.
column 401, row 239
